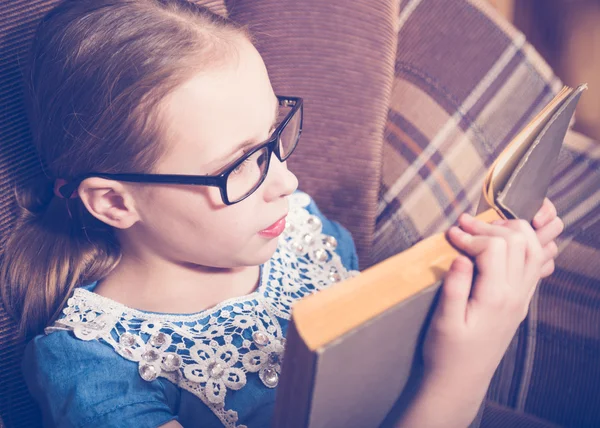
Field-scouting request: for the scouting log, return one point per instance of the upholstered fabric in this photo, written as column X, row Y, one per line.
column 465, row 83
column 17, row 162
column 498, row 416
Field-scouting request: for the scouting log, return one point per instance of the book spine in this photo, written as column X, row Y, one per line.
column 295, row 389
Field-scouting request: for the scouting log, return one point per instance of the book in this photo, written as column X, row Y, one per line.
column 352, row 350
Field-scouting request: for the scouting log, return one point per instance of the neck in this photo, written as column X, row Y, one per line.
column 158, row 285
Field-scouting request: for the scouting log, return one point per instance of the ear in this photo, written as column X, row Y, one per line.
column 109, row 201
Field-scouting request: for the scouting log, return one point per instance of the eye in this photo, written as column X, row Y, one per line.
column 238, row 169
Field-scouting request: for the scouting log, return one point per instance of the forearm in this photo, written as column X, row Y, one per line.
column 444, row 404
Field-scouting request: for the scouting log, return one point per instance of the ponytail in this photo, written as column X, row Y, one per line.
column 55, row 246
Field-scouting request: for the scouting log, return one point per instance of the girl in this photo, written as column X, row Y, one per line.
column 165, row 243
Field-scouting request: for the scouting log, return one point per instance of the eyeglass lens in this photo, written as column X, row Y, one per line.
column 248, row 175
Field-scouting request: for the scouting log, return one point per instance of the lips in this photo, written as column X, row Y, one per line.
column 275, row 229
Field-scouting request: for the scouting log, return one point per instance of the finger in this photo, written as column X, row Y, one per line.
column 550, row 251
column 489, row 253
column 550, row 231
column 547, row 269
column 523, row 267
column 533, row 253
column 546, row 214
column 515, row 239
column 471, row 245
column 475, row 226
column 456, row 290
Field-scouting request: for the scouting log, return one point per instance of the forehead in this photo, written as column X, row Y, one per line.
column 218, row 109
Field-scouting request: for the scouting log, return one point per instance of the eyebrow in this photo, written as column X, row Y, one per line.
column 246, row 143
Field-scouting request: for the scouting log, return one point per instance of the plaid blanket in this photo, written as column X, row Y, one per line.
column 465, row 83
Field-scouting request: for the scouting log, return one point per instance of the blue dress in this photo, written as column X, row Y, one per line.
column 102, row 364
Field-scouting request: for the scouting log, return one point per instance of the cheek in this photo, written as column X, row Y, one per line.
column 198, row 213
column 232, row 224
column 183, row 201
column 193, row 225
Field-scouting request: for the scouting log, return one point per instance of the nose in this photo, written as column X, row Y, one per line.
column 280, row 181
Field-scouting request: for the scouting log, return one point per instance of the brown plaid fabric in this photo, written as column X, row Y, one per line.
column 458, row 98
column 465, row 83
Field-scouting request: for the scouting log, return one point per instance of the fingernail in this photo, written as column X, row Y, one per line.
column 499, row 222
column 455, row 229
column 538, row 217
column 462, row 264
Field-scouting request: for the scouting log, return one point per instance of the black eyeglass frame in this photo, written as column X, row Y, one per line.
column 219, row 180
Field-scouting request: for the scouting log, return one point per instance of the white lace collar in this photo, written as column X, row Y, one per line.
column 212, row 351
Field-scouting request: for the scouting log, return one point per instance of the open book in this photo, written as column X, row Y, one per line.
column 352, row 348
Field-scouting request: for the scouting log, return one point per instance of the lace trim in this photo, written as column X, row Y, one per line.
column 213, row 351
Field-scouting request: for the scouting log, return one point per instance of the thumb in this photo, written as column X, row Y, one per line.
column 456, row 290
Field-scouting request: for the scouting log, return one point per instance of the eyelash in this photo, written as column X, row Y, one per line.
column 239, row 168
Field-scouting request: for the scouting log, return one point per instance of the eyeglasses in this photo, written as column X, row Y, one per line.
column 243, row 176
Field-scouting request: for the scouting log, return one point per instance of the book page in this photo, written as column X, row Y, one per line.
column 504, row 165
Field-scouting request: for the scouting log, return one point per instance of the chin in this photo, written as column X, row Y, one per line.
column 262, row 255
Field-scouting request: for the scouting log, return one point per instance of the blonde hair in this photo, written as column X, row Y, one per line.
column 98, row 70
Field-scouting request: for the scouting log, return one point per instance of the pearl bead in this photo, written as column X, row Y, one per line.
column 158, row 339
column 215, row 370
column 330, row 242
column 97, row 325
column 298, row 248
column 148, row 372
column 335, row 277
column 127, row 339
column 320, row 255
column 260, row 338
column 308, row 239
column 172, row 362
column 150, row 355
column 270, row 377
column 314, row 222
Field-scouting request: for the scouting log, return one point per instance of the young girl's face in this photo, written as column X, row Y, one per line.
column 205, row 120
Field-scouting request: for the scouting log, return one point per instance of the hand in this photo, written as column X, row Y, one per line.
column 472, row 326
column 547, row 227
